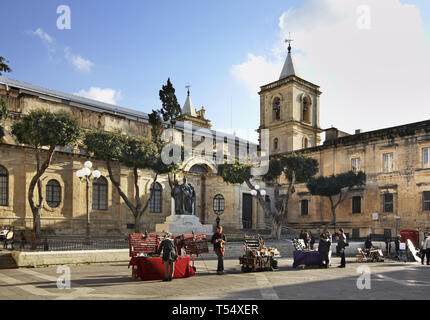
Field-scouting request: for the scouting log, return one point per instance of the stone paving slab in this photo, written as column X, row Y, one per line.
column 389, row 280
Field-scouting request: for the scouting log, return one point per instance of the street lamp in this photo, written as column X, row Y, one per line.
column 257, row 190
column 86, row 175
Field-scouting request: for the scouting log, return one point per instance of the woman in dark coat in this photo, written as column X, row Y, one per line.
column 323, row 250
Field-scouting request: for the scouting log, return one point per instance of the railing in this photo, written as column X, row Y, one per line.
column 45, row 244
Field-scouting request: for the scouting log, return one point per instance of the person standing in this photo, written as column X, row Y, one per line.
column 311, row 241
column 368, row 244
column 397, row 247
column 427, row 248
column 323, row 250
column 170, row 255
column 342, row 245
column 219, row 240
column 330, row 241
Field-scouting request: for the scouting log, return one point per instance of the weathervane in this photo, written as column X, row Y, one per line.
column 289, row 42
column 188, row 87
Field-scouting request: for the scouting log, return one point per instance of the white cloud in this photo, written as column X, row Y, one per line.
column 370, row 79
column 107, row 95
column 78, row 61
column 43, row 35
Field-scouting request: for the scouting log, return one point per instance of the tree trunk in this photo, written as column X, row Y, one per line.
column 333, row 212
column 37, row 209
column 274, row 217
column 117, row 185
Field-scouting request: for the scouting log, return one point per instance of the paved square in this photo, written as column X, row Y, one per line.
column 389, row 280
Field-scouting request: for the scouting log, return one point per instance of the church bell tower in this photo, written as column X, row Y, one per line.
column 289, row 109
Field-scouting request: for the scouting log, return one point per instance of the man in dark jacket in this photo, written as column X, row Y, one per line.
column 368, row 244
column 324, row 249
column 219, row 240
column 170, row 255
column 342, row 245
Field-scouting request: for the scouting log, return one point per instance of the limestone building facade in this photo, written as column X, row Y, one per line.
column 396, row 161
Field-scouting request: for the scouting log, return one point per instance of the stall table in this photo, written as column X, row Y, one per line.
column 307, row 258
column 152, row 268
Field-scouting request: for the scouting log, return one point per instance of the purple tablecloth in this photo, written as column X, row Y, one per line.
column 308, row 258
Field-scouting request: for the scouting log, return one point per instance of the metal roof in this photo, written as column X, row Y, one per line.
column 74, row 100
column 97, row 106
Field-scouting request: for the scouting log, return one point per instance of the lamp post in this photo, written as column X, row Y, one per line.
column 86, row 175
column 256, row 192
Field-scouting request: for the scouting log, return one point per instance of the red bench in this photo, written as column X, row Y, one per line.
column 195, row 243
column 141, row 244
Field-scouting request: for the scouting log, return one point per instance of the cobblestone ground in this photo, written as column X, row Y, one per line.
column 388, row 280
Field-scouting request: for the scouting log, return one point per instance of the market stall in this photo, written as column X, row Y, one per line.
column 304, row 257
column 148, row 265
column 257, row 257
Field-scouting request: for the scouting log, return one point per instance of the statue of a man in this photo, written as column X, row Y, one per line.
column 184, row 196
column 177, row 195
column 189, row 197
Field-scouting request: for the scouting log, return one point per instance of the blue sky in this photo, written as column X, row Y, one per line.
column 132, row 47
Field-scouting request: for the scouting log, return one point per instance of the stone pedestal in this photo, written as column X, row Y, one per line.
column 179, row 224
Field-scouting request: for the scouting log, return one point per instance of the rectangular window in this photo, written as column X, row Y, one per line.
column 426, row 154
column 355, row 164
column 388, row 202
column 426, row 201
column 355, row 233
column 356, row 204
column 388, row 162
column 304, row 204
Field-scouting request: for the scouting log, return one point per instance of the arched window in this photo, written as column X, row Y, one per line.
column 4, row 186
column 155, row 203
column 219, row 204
column 306, row 110
column 100, row 194
column 305, row 143
column 275, row 144
column 276, row 109
column 197, row 168
column 53, row 193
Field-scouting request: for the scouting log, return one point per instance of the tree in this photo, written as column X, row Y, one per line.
column 43, row 129
column 336, row 186
column 134, row 152
column 3, row 115
column 3, row 108
column 295, row 168
column 3, row 65
column 170, row 107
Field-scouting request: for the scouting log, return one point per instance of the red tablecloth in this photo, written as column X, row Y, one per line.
column 153, row 268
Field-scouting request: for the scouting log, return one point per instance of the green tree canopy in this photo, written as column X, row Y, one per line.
column 4, row 67
column 336, row 186
column 3, row 115
column 170, row 107
column 135, row 153
column 297, row 169
column 235, row 172
column 42, row 128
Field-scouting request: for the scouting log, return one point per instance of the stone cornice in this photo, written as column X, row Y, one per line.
column 290, row 79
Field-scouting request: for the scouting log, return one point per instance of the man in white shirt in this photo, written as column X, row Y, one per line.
column 427, row 248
